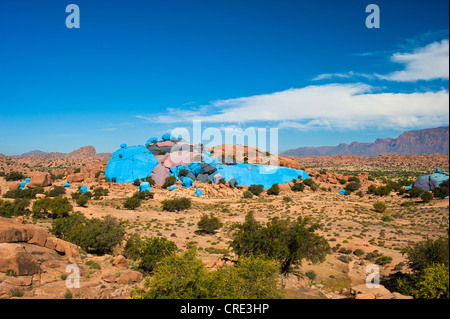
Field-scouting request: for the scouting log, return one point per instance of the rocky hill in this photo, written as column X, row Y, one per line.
column 426, row 141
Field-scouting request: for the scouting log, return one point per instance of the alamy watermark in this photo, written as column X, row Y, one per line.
column 373, row 276
column 251, row 145
column 73, row 279
column 373, row 19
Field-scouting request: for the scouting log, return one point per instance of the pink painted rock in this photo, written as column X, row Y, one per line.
column 160, row 173
column 165, row 144
column 217, row 178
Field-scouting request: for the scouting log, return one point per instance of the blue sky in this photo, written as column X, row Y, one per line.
column 137, row 69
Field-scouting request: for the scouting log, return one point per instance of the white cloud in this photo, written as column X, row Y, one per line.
column 346, row 106
column 426, row 63
column 347, row 75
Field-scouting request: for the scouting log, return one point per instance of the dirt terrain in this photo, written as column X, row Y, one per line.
column 348, row 222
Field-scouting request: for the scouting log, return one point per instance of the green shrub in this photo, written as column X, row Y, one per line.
column 144, row 195
column 148, row 252
column 358, row 252
column 298, row 187
column 426, row 197
column 57, row 190
column 383, row 260
column 209, row 224
column 354, row 179
column 82, row 200
column 183, row 172
column 442, row 191
column 176, row 204
column 17, row 208
column 379, row 207
column 248, row 194
column 99, row 192
column 185, row 276
column 415, row 192
column 311, row 274
column 352, row 186
column 274, row 190
column 137, row 182
column 169, row 182
column 426, row 253
column 98, row 236
column 132, row 203
column 256, row 189
column 150, row 180
column 288, row 242
column 14, row 176
column 24, row 193
column 58, row 206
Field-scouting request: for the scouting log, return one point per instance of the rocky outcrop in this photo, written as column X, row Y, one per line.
column 39, row 179
column 12, row 231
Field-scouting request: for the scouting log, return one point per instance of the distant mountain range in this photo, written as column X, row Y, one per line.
column 81, row 153
column 426, row 141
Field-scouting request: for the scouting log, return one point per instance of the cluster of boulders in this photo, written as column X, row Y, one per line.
column 35, row 264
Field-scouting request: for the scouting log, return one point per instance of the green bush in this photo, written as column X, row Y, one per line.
column 150, row 180
column 298, row 187
column 183, row 172
column 248, row 194
column 274, row 190
column 132, row 203
column 288, row 242
column 58, row 207
column 169, row 182
column 82, row 200
column 57, row 190
column 256, row 189
column 176, row 204
column 379, row 207
column 415, row 192
column 352, row 186
column 17, row 208
column 98, row 236
column 209, row 224
column 426, row 253
column 426, row 197
column 137, row 182
column 14, row 176
column 442, row 191
column 383, row 260
column 358, row 252
column 148, row 252
column 24, row 193
column 311, row 274
column 185, row 276
column 99, row 192
column 354, row 179
column 144, row 195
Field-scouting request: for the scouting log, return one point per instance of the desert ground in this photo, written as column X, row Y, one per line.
column 348, row 222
